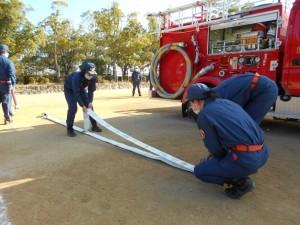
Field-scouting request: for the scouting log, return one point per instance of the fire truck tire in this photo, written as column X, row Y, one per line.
column 154, row 76
column 187, row 111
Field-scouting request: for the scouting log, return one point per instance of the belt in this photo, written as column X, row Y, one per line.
column 5, row 82
column 254, row 81
column 247, row 148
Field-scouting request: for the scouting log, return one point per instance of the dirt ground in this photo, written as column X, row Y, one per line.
column 47, row 178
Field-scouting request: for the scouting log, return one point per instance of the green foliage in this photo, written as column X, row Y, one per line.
column 107, row 38
column 16, row 31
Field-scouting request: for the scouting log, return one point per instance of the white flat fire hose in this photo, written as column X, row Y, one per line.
column 158, row 155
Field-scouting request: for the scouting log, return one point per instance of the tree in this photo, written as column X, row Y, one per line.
column 70, row 45
column 107, row 29
column 53, row 23
column 17, row 32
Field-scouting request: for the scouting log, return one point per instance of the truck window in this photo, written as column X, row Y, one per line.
column 243, row 38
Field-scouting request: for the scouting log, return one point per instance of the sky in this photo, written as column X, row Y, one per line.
column 42, row 8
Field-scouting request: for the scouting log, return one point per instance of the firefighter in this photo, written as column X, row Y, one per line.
column 255, row 93
column 136, row 80
column 79, row 88
column 7, row 81
column 235, row 142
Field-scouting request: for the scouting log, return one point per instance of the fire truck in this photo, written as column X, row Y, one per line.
column 210, row 41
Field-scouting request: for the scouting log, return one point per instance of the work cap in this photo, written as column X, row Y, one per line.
column 198, row 92
column 88, row 67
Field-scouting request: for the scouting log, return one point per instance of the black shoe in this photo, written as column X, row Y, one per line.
column 7, row 120
column 240, row 188
column 71, row 133
column 96, row 129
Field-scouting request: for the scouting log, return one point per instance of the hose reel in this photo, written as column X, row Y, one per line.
column 154, row 76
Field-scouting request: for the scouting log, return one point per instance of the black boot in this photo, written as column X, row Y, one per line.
column 95, row 128
column 7, row 120
column 70, row 132
column 240, row 188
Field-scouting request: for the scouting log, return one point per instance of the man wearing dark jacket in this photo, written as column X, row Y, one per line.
column 79, row 88
column 136, row 80
column 7, row 81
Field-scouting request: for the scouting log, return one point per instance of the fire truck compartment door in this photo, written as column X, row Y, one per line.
column 246, row 20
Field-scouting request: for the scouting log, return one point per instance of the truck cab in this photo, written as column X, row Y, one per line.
column 290, row 80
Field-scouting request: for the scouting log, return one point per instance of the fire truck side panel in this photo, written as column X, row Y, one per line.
column 229, row 64
column 291, row 62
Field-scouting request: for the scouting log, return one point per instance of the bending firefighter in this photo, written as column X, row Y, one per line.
column 79, row 87
column 235, row 142
column 255, row 93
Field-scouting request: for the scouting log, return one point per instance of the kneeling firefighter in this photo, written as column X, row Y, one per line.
column 79, row 87
column 235, row 142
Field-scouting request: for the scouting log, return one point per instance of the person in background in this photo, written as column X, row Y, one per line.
column 136, row 81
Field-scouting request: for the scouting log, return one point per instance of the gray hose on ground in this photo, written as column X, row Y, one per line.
column 154, row 77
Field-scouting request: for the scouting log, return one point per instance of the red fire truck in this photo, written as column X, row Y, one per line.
column 209, row 41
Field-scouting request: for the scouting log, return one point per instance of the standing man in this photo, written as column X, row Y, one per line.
column 136, row 80
column 235, row 142
column 7, row 81
column 255, row 93
column 79, row 88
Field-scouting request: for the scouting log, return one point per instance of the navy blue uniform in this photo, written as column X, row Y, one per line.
column 7, row 80
column 136, row 80
column 79, row 90
column 223, row 125
column 256, row 101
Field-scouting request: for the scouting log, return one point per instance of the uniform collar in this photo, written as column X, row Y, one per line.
column 207, row 102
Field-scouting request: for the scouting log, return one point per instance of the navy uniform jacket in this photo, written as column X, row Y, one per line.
column 136, row 77
column 7, row 70
column 234, row 88
column 226, row 124
column 82, row 88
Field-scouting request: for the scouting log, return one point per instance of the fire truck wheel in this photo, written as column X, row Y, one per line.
column 285, row 98
column 187, row 111
column 184, row 110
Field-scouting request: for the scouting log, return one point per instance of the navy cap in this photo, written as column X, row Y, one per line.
column 4, row 48
column 198, row 92
column 88, row 67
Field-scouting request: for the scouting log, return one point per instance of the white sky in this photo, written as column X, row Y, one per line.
column 77, row 7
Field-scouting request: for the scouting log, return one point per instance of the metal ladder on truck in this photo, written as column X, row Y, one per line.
column 192, row 15
column 204, row 12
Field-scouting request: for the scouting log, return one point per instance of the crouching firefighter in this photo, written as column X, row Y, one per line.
column 235, row 142
column 79, row 87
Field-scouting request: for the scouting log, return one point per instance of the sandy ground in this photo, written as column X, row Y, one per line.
column 47, row 178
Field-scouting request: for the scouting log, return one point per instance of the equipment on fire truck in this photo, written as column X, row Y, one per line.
column 196, row 46
column 154, row 77
column 251, row 40
column 260, row 38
